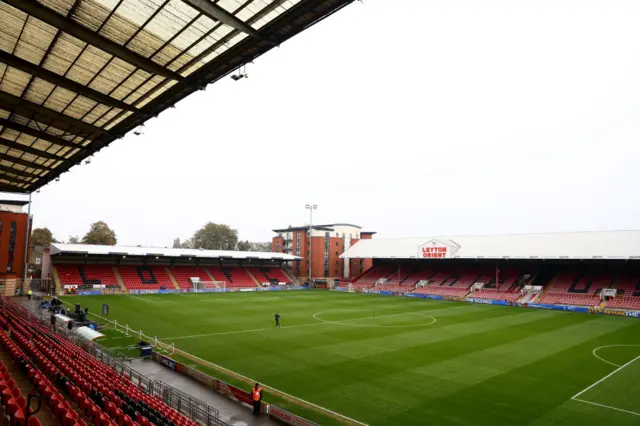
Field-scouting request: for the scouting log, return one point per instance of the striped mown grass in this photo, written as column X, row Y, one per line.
column 392, row 361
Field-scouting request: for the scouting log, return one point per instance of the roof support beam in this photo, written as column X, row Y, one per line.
column 16, row 172
column 5, row 187
column 28, row 149
column 43, row 13
column 45, row 115
column 25, row 163
column 45, row 74
column 37, row 133
column 219, row 14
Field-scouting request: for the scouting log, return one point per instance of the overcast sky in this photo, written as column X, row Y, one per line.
column 408, row 117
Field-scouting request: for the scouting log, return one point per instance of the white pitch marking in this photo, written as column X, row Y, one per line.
column 342, row 322
column 606, row 406
column 575, row 397
column 290, row 326
column 609, row 346
column 143, row 299
column 226, row 299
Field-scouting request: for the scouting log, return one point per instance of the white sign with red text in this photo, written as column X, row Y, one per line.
column 436, row 249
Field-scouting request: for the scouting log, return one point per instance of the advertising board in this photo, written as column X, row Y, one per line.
column 288, row 418
column 167, row 362
column 90, row 293
column 632, row 314
column 481, row 301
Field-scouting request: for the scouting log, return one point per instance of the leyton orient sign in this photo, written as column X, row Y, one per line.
column 436, row 249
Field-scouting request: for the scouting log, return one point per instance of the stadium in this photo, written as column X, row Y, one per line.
column 505, row 329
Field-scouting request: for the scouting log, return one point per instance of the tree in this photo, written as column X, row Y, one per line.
column 213, row 236
column 262, row 247
column 74, row 239
column 244, row 246
column 252, row 246
column 101, row 234
column 42, row 237
column 177, row 243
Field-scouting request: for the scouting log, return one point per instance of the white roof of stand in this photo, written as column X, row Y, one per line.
column 568, row 245
column 57, row 248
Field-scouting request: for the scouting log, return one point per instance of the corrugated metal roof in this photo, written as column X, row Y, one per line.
column 57, row 248
column 77, row 74
column 573, row 245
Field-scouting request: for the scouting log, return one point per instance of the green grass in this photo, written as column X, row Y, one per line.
column 392, row 361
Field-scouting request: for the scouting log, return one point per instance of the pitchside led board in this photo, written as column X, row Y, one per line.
column 437, row 249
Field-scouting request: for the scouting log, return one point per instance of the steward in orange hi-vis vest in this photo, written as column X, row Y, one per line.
column 256, row 397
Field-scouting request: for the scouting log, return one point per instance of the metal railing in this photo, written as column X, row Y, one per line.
column 191, row 407
column 185, row 404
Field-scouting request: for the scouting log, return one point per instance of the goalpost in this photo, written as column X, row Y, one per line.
column 342, row 287
column 201, row 286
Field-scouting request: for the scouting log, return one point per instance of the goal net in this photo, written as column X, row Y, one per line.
column 201, row 286
column 342, row 286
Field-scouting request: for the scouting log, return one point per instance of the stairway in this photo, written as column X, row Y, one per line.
column 56, row 281
column 289, row 273
column 211, row 277
column 173, row 279
column 530, row 297
column 252, row 277
column 120, row 280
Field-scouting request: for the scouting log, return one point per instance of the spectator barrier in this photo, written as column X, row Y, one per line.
column 234, row 393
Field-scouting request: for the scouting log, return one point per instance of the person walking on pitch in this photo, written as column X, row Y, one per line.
column 277, row 320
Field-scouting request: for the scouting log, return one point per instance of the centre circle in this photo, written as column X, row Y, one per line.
column 371, row 319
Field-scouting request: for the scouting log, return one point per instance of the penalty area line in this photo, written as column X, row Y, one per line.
column 606, row 406
column 575, row 397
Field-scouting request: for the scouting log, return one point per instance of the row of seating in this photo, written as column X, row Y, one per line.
column 443, row 291
column 98, row 393
column 269, row 275
column 87, row 274
column 144, row 277
column 14, row 403
column 567, row 286
column 625, row 302
column 569, row 299
column 496, row 294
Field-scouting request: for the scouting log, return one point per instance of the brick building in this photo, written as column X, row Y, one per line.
column 328, row 242
column 13, row 235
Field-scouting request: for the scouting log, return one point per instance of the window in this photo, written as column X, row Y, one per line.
column 337, row 235
column 337, row 244
column 277, row 247
column 297, row 244
column 327, row 241
column 12, row 246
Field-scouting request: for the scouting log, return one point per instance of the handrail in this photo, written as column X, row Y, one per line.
column 188, row 406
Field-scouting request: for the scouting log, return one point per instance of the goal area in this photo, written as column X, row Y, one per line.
column 201, row 286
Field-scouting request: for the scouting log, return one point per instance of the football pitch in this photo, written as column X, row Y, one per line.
column 399, row 361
